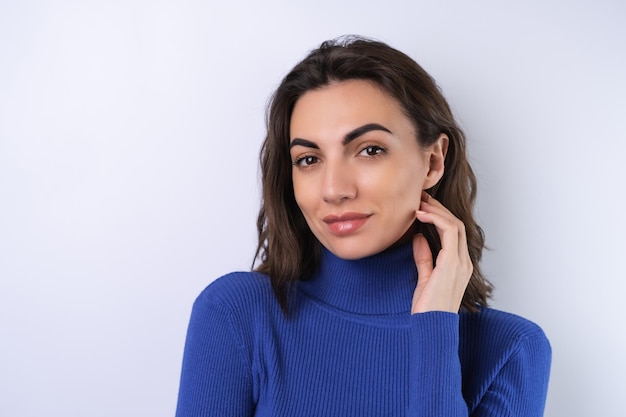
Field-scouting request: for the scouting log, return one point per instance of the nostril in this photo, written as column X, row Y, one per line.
column 337, row 198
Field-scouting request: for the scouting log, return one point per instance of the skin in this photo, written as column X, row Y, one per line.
column 359, row 177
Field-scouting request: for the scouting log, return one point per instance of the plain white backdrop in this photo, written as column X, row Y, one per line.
column 129, row 139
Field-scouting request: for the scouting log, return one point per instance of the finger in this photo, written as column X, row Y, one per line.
column 429, row 203
column 433, row 205
column 451, row 232
column 446, row 224
column 423, row 257
column 463, row 245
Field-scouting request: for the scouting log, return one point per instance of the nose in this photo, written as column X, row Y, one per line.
column 339, row 183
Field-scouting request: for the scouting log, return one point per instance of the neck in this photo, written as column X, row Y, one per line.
column 378, row 284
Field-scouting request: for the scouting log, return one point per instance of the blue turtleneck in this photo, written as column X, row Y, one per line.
column 350, row 347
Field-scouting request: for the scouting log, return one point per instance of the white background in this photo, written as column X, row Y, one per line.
column 129, row 134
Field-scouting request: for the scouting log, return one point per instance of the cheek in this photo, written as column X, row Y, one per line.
column 404, row 202
column 302, row 195
column 400, row 187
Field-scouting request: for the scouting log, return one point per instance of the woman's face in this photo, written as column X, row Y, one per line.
column 358, row 171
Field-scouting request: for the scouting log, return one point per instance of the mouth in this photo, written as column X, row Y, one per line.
column 346, row 223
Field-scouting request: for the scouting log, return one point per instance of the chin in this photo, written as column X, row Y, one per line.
column 358, row 247
column 354, row 251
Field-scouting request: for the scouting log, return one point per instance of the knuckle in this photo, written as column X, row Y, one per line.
column 423, row 261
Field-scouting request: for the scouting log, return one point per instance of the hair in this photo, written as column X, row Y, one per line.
column 287, row 250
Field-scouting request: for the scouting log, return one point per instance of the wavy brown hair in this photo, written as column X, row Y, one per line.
column 287, row 250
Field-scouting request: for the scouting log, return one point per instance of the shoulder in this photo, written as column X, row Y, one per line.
column 505, row 360
column 219, row 361
column 499, row 336
column 238, row 291
column 499, row 324
column 231, row 309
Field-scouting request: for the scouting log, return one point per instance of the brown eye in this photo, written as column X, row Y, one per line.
column 306, row 161
column 372, row 151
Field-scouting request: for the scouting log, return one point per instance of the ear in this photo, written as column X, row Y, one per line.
column 436, row 161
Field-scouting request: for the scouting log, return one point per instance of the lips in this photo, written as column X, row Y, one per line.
column 346, row 223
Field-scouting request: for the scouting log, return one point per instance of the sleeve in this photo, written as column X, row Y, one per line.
column 216, row 378
column 435, row 370
column 521, row 385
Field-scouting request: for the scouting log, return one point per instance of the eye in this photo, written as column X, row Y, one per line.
column 306, row 161
column 372, row 150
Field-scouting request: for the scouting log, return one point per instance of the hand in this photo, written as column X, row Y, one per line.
column 441, row 288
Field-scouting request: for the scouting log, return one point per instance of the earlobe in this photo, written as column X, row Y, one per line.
column 436, row 161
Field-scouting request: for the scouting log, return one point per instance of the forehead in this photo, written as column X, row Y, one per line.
column 344, row 105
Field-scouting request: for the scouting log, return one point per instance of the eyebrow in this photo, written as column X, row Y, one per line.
column 349, row 137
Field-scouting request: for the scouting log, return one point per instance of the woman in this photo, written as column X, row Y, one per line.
column 368, row 299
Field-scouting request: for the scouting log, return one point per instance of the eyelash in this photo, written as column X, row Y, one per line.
column 298, row 162
column 379, row 151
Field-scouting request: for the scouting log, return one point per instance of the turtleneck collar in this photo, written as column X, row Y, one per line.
column 379, row 284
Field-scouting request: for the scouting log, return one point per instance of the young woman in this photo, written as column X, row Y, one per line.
column 368, row 299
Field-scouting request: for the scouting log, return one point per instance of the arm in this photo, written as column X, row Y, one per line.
column 435, row 369
column 509, row 382
column 216, row 378
column 435, row 372
column 521, row 377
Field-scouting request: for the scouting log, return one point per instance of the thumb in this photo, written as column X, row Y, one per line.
column 423, row 257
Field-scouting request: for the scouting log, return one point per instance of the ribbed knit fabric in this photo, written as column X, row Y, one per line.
column 350, row 347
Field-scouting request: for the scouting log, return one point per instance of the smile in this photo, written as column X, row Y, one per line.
column 346, row 223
